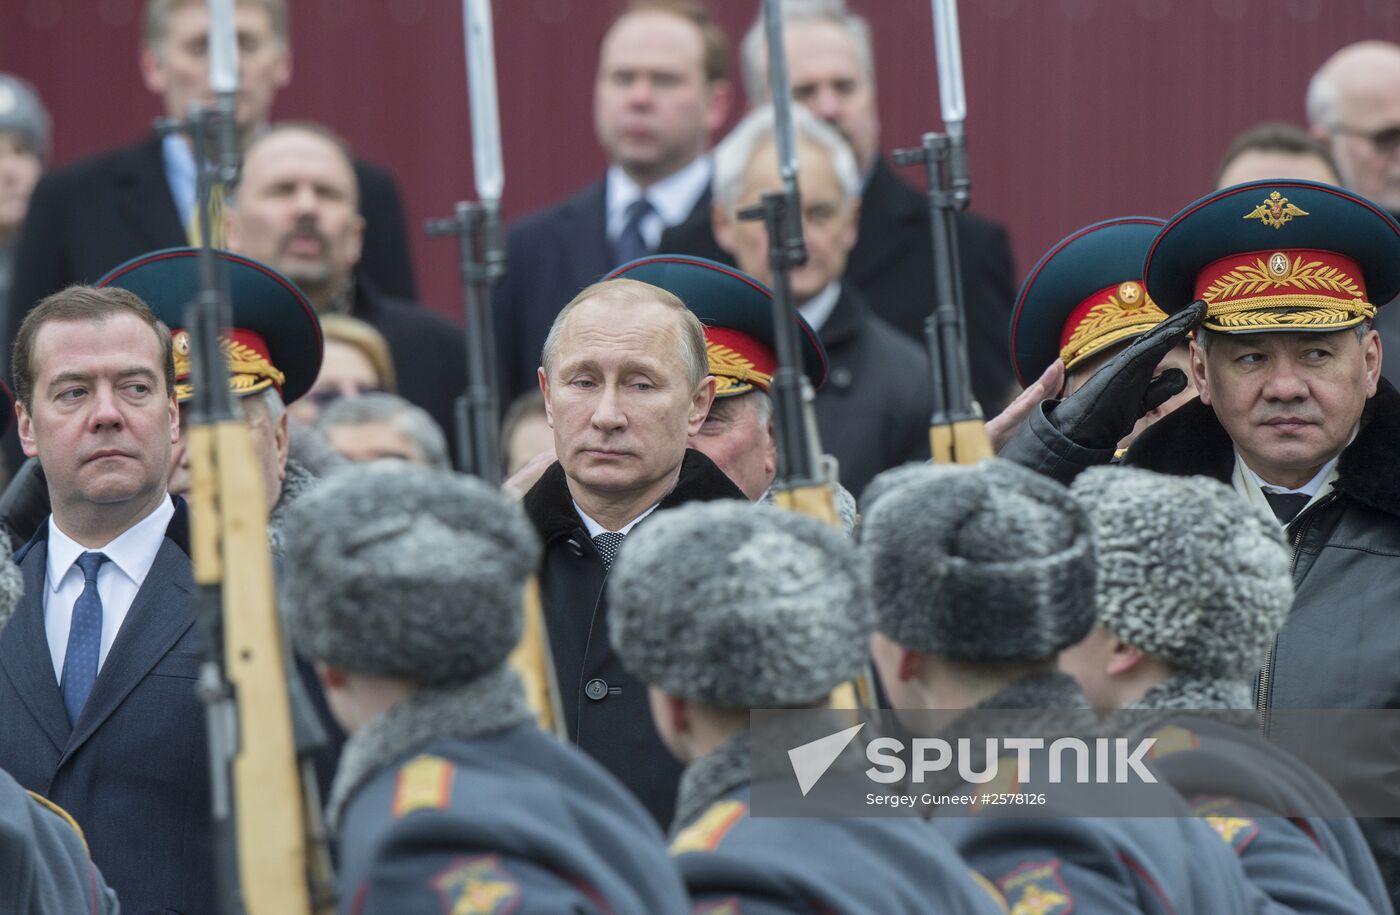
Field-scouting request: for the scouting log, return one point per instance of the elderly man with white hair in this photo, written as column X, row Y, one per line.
column 874, row 409
column 1354, row 107
column 831, row 68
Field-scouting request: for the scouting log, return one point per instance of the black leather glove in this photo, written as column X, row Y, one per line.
column 25, row 503
column 1061, row 438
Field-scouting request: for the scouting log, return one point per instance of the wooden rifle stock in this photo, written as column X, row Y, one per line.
column 534, row 663
column 476, row 227
column 957, row 433
column 276, row 865
column 963, row 442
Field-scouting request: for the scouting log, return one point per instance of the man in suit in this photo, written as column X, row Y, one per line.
column 89, row 217
column 625, row 382
column 294, row 209
column 831, row 70
column 874, row 410
column 98, row 664
column 660, row 92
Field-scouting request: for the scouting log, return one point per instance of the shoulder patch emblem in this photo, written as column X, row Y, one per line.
column 477, row 886
column 1230, row 821
column 714, row 824
column 1172, row 739
column 424, row 783
column 728, row 906
column 1036, row 888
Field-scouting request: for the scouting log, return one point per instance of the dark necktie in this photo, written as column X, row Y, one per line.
column 630, row 244
column 1286, row 505
column 607, row 543
column 84, row 639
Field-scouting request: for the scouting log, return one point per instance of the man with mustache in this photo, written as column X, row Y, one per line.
column 92, row 215
column 295, row 209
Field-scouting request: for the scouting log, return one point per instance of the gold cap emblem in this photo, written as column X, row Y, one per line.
column 1275, row 211
column 734, row 372
column 1129, row 293
column 1278, row 264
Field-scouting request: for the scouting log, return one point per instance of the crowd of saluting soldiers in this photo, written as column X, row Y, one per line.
column 1195, row 504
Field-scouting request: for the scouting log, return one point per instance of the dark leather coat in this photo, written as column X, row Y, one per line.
column 1340, row 645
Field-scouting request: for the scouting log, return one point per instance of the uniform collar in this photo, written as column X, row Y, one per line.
column 710, row 777
column 1185, row 691
column 490, row 704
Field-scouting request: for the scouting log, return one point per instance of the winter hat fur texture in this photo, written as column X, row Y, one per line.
column 1188, row 571
column 992, row 562
column 400, row 571
column 11, row 583
column 739, row 605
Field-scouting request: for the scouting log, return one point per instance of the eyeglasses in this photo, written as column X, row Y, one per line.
column 324, row 397
column 1385, row 141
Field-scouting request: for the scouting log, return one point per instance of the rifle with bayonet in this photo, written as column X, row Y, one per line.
column 806, row 478
column 481, row 261
column 956, row 431
column 270, row 851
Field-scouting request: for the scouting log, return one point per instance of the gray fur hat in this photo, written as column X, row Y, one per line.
column 11, row 581
column 400, row 571
column 22, row 112
column 1188, row 571
column 985, row 563
column 739, row 605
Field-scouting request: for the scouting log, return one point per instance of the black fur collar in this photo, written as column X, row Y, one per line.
column 1192, row 441
column 550, row 506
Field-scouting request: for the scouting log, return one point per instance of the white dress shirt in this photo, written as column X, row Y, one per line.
column 594, row 528
column 1250, row 485
column 672, row 198
column 129, row 559
column 816, row 310
column 179, row 174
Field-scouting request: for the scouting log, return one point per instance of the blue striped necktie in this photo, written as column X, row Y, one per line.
column 84, row 639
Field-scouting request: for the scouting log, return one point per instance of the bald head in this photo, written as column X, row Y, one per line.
column 1354, row 106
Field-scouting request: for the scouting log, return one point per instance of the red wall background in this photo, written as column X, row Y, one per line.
column 1078, row 109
